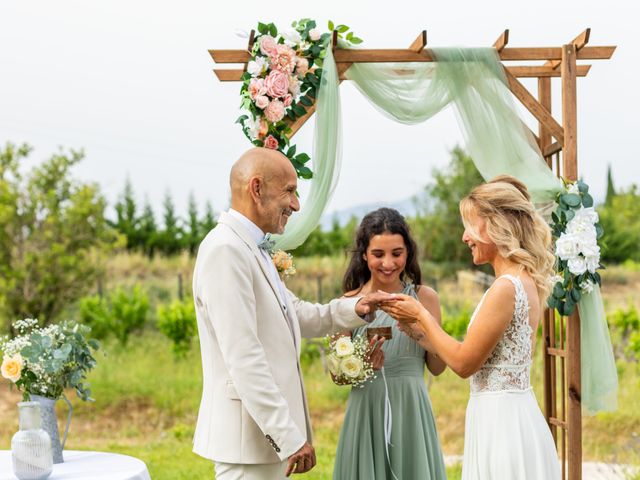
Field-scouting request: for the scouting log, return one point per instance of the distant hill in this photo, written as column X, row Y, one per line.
column 406, row 207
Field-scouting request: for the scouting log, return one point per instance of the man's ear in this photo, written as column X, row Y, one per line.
column 256, row 188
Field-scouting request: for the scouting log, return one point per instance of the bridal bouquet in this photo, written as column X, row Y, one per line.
column 45, row 361
column 348, row 360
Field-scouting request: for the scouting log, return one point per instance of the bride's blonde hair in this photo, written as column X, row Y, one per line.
column 514, row 226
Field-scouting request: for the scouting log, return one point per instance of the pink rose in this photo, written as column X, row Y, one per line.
column 271, row 142
column 288, row 100
column 257, row 88
column 263, row 128
column 302, row 67
column 268, row 45
column 274, row 111
column 277, row 84
column 261, row 102
column 284, row 59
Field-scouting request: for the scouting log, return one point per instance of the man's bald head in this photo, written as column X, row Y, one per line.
column 260, row 162
column 263, row 188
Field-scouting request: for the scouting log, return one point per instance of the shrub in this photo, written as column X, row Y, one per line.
column 178, row 322
column 120, row 315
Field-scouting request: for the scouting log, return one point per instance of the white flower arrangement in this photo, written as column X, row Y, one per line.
column 44, row 361
column 348, row 360
column 576, row 228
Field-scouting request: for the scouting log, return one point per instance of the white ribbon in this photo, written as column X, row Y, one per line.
column 388, row 422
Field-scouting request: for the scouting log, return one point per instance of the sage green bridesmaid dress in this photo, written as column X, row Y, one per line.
column 414, row 452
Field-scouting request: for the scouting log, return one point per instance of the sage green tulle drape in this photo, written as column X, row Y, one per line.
column 472, row 80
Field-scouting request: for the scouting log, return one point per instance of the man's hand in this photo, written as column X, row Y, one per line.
column 370, row 303
column 302, row 461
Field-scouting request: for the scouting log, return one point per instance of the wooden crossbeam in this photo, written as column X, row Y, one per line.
column 537, row 110
column 557, row 422
column 579, row 42
column 552, row 149
column 235, row 75
column 558, row 352
column 419, row 43
column 406, row 55
column 502, row 41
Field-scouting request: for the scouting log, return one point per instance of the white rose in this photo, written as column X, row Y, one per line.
column 351, row 367
column 590, row 249
column 344, row 346
column 292, row 37
column 588, row 214
column 577, row 265
column 314, row 34
column 592, row 263
column 333, row 364
column 579, row 225
column 257, row 67
column 566, row 246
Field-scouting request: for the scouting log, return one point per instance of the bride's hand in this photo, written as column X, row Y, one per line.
column 411, row 330
column 404, row 308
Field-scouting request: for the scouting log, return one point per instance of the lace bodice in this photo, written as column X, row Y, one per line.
column 508, row 366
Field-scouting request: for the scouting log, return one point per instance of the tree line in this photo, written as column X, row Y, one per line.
column 55, row 234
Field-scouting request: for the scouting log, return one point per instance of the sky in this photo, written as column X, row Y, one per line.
column 131, row 83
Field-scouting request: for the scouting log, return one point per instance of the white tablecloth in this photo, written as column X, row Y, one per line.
column 86, row 466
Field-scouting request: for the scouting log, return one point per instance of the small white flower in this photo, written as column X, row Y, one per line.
column 344, row 347
column 587, row 287
column 291, row 37
column 553, row 279
column 577, row 265
column 590, row 249
column 351, row 366
column 257, row 67
column 573, row 188
column 252, row 126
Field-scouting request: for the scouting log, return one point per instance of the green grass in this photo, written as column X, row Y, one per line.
column 147, row 402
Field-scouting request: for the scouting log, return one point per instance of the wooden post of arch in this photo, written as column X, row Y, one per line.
column 558, row 144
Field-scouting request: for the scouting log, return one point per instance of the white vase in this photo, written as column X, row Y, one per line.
column 31, row 446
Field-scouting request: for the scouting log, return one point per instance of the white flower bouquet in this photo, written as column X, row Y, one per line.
column 348, row 360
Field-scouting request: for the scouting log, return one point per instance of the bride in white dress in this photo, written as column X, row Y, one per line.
column 506, row 435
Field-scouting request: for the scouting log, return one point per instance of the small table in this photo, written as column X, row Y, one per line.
column 86, row 466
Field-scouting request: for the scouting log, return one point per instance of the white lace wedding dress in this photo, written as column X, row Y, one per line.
column 506, row 435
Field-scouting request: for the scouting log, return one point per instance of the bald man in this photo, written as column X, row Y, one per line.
column 254, row 421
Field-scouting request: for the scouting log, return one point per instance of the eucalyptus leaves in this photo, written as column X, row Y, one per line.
column 45, row 361
column 282, row 81
column 576, row 229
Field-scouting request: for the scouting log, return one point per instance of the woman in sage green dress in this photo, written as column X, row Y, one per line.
column 385, row 258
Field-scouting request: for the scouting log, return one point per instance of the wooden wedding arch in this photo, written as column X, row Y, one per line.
column 558, row 144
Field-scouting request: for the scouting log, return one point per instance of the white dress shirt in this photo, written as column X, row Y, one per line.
column 258, row 235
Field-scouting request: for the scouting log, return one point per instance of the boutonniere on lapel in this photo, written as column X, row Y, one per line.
column 284, row 263
column 281, row 259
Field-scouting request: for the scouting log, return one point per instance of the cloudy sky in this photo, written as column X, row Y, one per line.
column 131, row 82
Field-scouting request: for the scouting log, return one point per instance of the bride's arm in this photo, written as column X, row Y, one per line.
column 464, row 358
column 429, row 300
